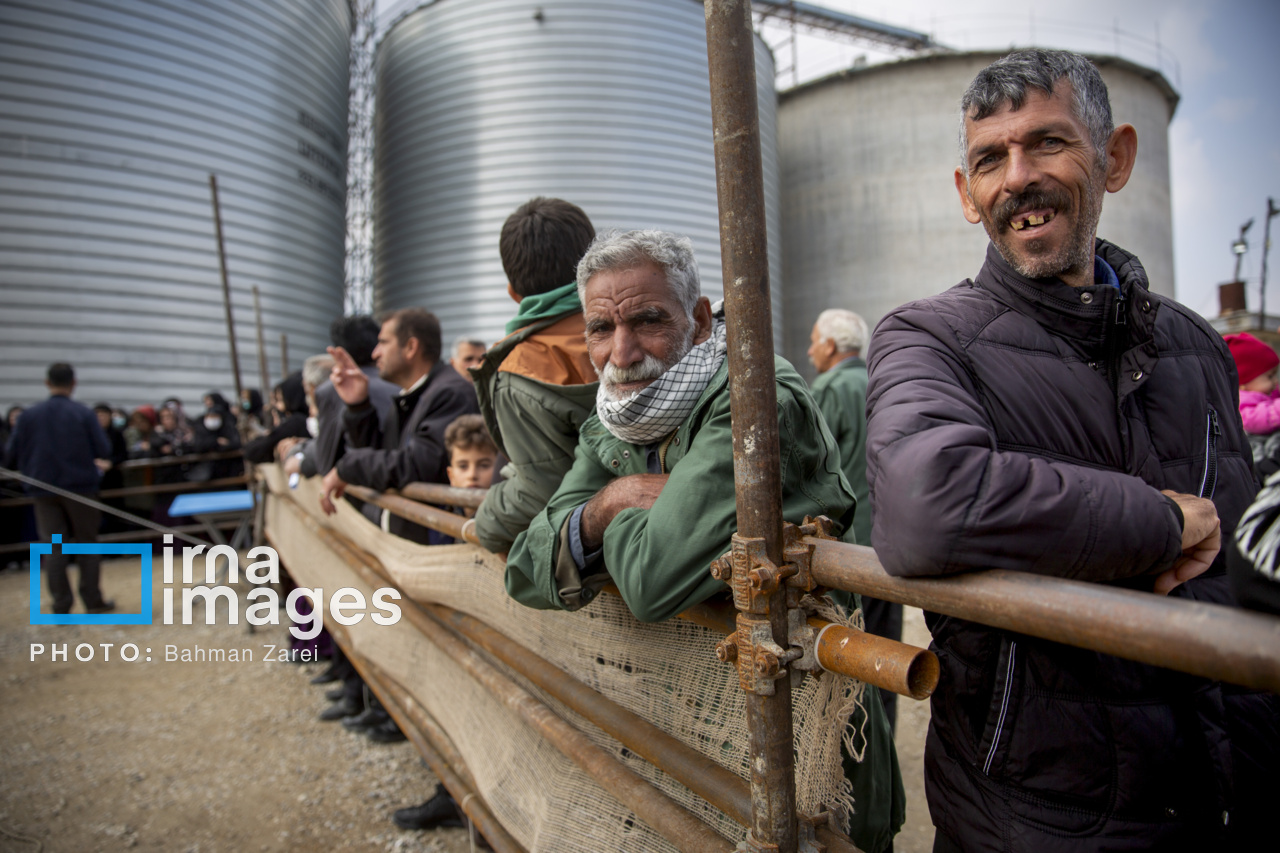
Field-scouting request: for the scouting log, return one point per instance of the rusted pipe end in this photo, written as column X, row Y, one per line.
column 922, row 675
column 888, row 664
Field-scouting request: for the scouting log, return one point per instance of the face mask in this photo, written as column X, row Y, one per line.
column 313, row 426
column 212, row 423
column 244, row 404
column 117, row 422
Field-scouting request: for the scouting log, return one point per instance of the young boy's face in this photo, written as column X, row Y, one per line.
column 1263, row 384
column 471, row 467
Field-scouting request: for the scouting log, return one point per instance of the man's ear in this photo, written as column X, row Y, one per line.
column 412, row 349
column 511, row 291
column 701, row 320
column 1122, row 151
column 966, row 201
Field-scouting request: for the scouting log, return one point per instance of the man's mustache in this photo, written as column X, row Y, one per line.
column 646, row 370
column 1004, row 212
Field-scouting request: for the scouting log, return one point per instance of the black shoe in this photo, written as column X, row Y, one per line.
column 440, row 810
column 326, row 677
column 366, row 719
column 103, row 606
column 386, row 732
column 347, row 707
column 335, row 694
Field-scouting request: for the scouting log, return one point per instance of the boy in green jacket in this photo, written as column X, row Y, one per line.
column 536, row 386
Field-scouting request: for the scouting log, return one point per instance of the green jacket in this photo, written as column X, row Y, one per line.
column 535, row 426
column 841, row 393
column 659, row 558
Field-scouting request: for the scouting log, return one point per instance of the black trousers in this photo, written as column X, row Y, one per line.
column 77, row 523
column 884, row 619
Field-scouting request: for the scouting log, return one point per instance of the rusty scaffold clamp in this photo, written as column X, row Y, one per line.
column 807, row 837
column 753, row 578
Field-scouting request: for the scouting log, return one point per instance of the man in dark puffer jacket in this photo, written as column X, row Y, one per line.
column 1054, row 416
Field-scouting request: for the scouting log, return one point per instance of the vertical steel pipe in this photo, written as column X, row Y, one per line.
column 226, row 284
column 264, row 374
column 753, row 392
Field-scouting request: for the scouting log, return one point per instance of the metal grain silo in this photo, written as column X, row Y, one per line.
column 483, row 104
column 870, row 215
column 113, row 114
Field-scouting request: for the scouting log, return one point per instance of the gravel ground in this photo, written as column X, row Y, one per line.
column 205, row 756
column 196, row 756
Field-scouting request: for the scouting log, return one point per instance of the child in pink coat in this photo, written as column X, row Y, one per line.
column 1257, row 365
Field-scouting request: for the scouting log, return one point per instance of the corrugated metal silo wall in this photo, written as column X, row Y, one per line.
column 482, row 107
column 870, row 215
column 112, row 116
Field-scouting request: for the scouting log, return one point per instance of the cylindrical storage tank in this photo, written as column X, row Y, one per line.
column 113, row 114
column 870, row 214
column 484, row 104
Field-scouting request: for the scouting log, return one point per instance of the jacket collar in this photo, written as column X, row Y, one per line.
column 1079, row 313
column 497, row 353
column 407, row 399
column 1087, row 316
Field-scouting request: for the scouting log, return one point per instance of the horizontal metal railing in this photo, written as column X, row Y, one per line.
column 1210, row 640
column 888, row 664
column 140, row 491
column 163, row 461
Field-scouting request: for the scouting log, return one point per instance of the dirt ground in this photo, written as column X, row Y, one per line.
column 205, row 756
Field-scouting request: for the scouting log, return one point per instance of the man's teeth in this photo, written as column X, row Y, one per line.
column 1019, row 224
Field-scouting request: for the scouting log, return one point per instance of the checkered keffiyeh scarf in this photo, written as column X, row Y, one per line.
column 660, row 407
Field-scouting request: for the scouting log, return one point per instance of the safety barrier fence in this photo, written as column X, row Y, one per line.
column 1203, row 639
column 464, row 637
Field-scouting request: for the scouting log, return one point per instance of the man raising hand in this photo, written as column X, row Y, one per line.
column 411, row 447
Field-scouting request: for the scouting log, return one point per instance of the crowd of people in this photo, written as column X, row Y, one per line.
column 1051, row 415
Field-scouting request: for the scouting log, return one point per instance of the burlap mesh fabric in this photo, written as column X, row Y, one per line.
column 667, row 673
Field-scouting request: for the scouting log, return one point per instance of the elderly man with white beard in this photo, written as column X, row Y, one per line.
column 649, row 501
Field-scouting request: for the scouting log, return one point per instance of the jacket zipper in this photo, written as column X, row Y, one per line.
column 1004, row 709
column 1211, row 433
column 1113, row 344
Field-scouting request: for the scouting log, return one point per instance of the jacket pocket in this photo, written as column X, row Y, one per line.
column 1001, row 697
column 1059, row 762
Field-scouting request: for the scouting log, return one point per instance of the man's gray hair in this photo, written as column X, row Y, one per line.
column 316, row 369
column 624, row 250
column 1007, row 80
column 464, row 341
column 847, row 329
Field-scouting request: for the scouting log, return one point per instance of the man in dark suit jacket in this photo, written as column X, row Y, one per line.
column 410, row 448
column 358, row 335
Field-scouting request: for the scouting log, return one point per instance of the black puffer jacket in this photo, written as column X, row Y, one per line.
column 1029, row 425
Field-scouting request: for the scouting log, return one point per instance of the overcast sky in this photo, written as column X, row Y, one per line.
column 1222, row 58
